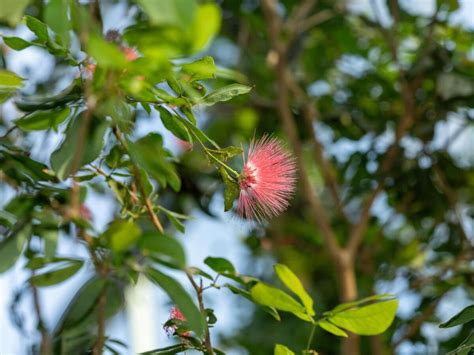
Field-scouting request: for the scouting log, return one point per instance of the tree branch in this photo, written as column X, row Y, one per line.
column 45, row 347
column 310, row 114
column 198, row 289
column 289, row 125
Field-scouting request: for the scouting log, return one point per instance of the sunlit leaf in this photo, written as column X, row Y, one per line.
column 206, row 25
column 294, row 284
column 331, row 328
column 200, row 69
column 282, row 350
column 11, row 11
column 367, row 320
column 106, row 54
column 273, row 297
column 9, row 80
column 178, row 13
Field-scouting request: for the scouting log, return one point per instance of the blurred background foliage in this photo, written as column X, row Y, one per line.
column 377, row 104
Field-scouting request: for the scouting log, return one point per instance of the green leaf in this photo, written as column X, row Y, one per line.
column 220, row 265
column 358, row 303
column 107, row 54
column 16, row 43
column 206, row 25
column 9, row 81
column 173, row 124
column 149, row 153
column 38, row 28
column 225, row 94
column 169, row 350
column 81, row 311
column 56, row 276
column 181, row 298
column 231, row 190
column 466, row 315
column 198, row 271
column 244, row 293
column 63, row 157
column 50, row 240
column 291, row 281
column 41, row 120
column 179, row 13
column 12, row 246
column 165, row 248
column 273, row 297
column 200, row 69
column 11, row 11
column 226, row 153
column 331, row 328
column 282, row 350
column 56, row 16
column 466, row 347
column 368, row 320
column 38, row 262
column 121, row 234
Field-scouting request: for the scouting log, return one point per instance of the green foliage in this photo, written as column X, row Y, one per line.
column 181, row 298
column 366, row 320
column 41, row 120
column 416, row 76
column 465, row 316
column 225, row 94
column 12, row 11
column 282, row 350
column 291, row 281
column 120, row 235
column 57, row 275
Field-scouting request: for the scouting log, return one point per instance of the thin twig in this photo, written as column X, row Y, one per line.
column 198, row 289
column 136, row 173
column 100, row 341
column 45, row 347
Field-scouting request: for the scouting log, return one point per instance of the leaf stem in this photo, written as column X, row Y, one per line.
column 311, row 336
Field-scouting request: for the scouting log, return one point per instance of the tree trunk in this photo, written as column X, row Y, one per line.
column 348, row 285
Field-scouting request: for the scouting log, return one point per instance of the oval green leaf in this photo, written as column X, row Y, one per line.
column 368, row 320
column 331, row 328
column 56, row 276
column 291, row 281
column 180, row 297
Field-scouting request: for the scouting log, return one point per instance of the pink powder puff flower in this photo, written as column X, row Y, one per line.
column 130, row 53
column 267, row 181
column 176, row 314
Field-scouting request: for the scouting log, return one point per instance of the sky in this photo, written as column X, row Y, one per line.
column 147, row 305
